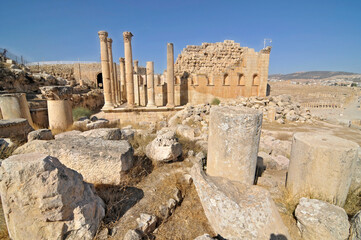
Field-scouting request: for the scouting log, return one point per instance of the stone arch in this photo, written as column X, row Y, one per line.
column 226, row 79
column 241, row 79
column 100, row 80
column 255, row 81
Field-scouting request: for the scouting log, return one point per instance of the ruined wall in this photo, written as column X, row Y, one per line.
column 223, row 70
column 58, row 70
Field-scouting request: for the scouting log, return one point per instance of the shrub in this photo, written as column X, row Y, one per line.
column 79, row 112
column 215, row 101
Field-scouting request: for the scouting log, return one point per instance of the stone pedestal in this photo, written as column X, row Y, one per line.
column 234, row 134
column 59, row 106
column 129, row 68
column 170, row 75
column 15, row 105
column 111, row 72
column 150, row 84
column 108, row 102
column 321, row 167
column 123, row 86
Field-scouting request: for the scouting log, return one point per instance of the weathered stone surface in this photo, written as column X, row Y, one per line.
column 104, row 133
column 321, row 166
column 236, row 210
column 278, row 162
column 234, row 134
column 204, row 237
column 102, row 123
column 41, row 134
column 356, row 176
column 73, row 133
column 355, row 230
column 99, row 161
column 147, row 223
column 164, row 148
column 186, row 132
column 318, row 220
column 43, row 199
column 127, row 133
column 133, row 235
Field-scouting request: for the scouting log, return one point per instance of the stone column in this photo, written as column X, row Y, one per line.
column 15, row 105
column 59, row 106
column 108, row 102
column 129, row 68
column 321, row 167
column 123, row 86
column 117, row 84
column 111, row 70
column 170, row 75
column 150, row 84
column 234, row 134
column 136, row 83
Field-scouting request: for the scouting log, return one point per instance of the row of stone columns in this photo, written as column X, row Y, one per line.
column 127, row 87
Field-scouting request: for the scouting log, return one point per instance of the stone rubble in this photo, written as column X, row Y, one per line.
column 164, row 148
column 41, row 134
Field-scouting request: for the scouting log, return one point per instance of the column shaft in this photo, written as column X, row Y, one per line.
column 150, row 84
column 170, row 75
column 129, row 68
column 105, row 70
column 112, row 80
column 123, row 85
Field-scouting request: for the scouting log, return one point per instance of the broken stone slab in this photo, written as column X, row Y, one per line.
column 99, row 161
column 102, row 123
column 41, row 134
column 73, row 133
column 43, row 199
column 318, row 220
column 164, row 148
column 321, row 166
column 355, row 230
column 236, row 210
column 104, row 133
column 15, row 129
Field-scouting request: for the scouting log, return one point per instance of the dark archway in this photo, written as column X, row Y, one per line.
column 100, row 81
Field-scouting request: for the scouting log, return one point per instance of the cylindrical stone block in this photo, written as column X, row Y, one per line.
column 321, row 167
column 105, row 70
column 233, row 142
column 15, row 105
column 170, row 75
column 150, row 84
column 60, row 114
column 129, row 68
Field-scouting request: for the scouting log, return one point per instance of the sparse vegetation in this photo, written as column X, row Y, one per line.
column 353, row 203
column 79, row 112
column 215, row 101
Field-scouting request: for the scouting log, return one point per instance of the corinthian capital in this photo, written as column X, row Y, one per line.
column 103, row 35
column 127, row 36
column 110, row 41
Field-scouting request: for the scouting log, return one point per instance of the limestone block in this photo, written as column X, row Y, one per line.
column 15, row 105
column 57, row 92
column 104, row 133
column 164, row 148
column 234, row 135
column 43, row 199
column 67, row 134
column 41, row 134
column 236, row 210
column 355, row 230
column 101, row 123
column 99, row 161
column 321, row 166
column 186, row 132
column 15, row 129
column 356, row 176
column 318, row 220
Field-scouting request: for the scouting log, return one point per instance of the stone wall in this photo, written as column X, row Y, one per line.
column 58, row 70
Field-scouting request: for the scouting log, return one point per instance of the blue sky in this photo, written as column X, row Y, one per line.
column 307, row 35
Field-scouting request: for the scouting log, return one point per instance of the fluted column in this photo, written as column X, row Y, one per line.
column 123, row 86
column 129, row 67
column 105, row 70
column 150, row 84
column 170, row 75
column 111, row 70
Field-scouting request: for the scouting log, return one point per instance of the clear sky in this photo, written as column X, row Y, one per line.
column 307, row 35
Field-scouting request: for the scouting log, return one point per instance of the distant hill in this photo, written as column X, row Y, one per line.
column 310, row 75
